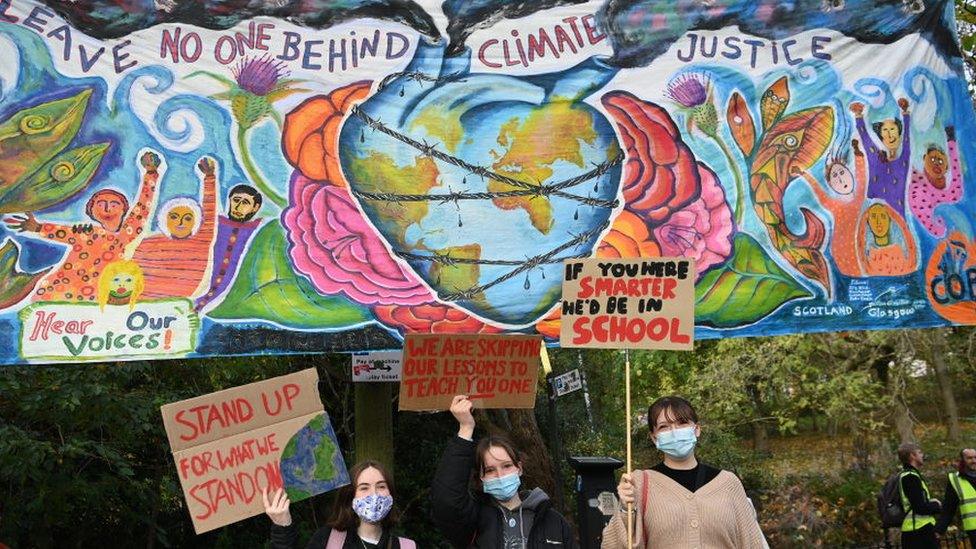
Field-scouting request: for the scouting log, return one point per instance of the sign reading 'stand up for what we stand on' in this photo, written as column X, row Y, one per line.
column 232, row 445
column 629, row 304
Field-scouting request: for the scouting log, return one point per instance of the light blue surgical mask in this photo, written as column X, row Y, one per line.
column 502, row 488
column 677, row 443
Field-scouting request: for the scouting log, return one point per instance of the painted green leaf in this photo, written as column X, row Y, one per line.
column 30, row 137
column 267, row 288
column 14, row 285
column 59, row 180
column 747, row 288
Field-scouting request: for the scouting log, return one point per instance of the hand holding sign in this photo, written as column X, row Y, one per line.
column 625, row 490
column 461, row 410
column 277, row 507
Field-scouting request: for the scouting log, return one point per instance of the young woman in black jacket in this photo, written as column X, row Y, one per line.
column 362, row 515
column 500, row 517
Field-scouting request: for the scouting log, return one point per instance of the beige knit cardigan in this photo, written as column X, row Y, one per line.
column 718, row 515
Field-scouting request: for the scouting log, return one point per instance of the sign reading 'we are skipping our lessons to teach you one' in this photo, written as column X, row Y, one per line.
column 232, row 445
column 629, row 304
column 495, row 371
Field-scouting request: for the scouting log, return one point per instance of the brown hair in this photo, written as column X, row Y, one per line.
column 906, row 450
column 487, row 442
column 677, row 407
column 343, row 516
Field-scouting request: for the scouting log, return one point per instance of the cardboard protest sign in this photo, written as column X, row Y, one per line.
column 495, row 371
column 377, row 366
column 629, row 304
column 231, row 445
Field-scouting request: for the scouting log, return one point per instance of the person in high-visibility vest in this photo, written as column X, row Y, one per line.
column 918, row 527
column 960, row 498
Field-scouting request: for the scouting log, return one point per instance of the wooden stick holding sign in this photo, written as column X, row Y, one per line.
column 629, row 304
column 495, row 371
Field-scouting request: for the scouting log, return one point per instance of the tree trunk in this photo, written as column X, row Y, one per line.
column 899, row 410
column 945, row 388
column 760, row 438
column 374, row 423
column 902, row 417
column 154, row 516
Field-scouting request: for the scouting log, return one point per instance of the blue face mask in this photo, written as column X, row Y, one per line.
column 502, row 488
column 372, row 508
column 677, row 443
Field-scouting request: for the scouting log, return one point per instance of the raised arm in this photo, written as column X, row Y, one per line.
column 453, row 508
column 141, row 212
column 860, row 171
column 862, row 128
column 208, row 168
column 825, row 199
column 906, row 130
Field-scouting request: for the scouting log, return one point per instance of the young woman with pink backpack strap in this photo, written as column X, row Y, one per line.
column 362, row 516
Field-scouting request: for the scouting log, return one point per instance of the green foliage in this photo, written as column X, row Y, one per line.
column 966, row 19
column 84, row 457
column 57, row 181
column 745, row 289
column 15, row 285
column 268, row 288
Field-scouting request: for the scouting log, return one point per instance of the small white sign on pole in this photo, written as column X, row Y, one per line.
column 567, row 383
column 377, row 366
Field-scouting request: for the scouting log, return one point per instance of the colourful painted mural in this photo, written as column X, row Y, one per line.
column 218, row 177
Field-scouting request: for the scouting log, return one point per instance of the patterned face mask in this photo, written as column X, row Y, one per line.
column 372, row 508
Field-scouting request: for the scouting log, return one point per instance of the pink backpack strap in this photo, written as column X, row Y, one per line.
column 406, row 543
column 337, row 538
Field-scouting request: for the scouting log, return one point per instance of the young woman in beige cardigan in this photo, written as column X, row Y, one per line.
column 682, row 503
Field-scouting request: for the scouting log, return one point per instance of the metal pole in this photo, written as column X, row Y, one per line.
column 586, row 390
column 557, row 441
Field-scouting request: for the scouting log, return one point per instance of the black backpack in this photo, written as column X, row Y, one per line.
column 889, row 503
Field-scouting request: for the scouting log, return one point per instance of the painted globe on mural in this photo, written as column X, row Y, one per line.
column 311, row 462
column 483, row 183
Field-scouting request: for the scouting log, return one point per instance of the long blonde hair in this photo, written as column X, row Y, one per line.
column 119, row 267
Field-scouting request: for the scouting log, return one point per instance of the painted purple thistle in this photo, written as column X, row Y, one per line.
column 259, row 76
column 689, row 90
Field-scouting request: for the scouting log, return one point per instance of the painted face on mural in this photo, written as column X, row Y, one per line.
column 936, row 162
column 840, row 178
column 180, row 221
column 879, row 220
column 243, row 203
column 122, row 285
column 891, row 135
column 108, row 208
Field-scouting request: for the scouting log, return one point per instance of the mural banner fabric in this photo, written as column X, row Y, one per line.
column 189, row 178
